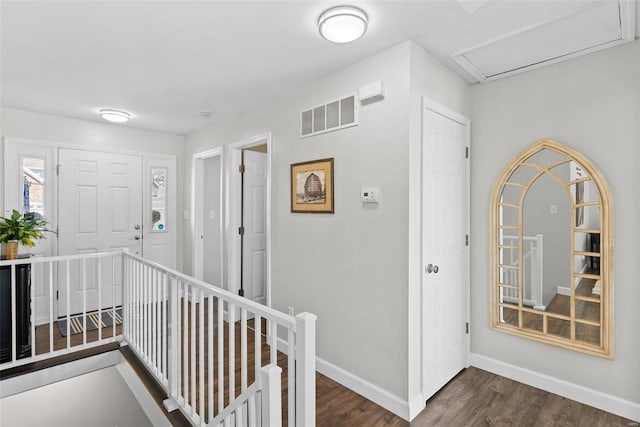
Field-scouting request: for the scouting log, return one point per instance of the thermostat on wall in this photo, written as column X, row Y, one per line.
column 370, row 195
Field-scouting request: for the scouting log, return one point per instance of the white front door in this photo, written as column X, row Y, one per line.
column 445, row 262
column 254, row 261
column 99, row 210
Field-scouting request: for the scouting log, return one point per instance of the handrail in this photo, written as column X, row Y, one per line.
column 164, row 317
column 281, row 318
column 197, row 321
column 58, row 258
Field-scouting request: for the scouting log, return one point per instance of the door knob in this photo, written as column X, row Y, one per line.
column 137, row 226
column 432, row 269
column 137, row 237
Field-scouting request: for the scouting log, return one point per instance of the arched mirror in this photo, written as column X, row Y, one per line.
column 551, row 243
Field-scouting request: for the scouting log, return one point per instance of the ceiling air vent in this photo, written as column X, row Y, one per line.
column 338, row 114
column 596, row 26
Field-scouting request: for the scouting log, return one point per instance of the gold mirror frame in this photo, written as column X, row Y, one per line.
column 604, row 346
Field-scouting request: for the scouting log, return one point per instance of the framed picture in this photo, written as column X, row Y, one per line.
column 312, row 186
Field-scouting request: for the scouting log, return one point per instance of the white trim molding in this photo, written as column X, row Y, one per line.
column 43, row 377
column 389, row 401
column 374, row 393
column 196, row 217
column 142, row 395
column 587, row 396
column 232, row 204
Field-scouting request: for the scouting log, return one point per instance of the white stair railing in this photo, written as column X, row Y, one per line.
column 93, row 271
column 532, row 269
column 184, row 330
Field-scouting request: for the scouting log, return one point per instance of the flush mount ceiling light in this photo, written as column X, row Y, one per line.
column 343, row 24
column 115, row 115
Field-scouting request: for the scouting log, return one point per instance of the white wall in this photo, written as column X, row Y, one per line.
column 349, row 268
column 555, row 229
column 46, row 127
column 591, row 103
column 97, row 398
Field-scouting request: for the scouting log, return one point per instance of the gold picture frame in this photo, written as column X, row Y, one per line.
column 312, row 186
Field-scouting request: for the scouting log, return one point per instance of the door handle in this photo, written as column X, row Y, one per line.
column 432, row 269
column 136, row 237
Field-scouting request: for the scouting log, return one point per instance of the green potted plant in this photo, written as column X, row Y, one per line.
column 24, row 229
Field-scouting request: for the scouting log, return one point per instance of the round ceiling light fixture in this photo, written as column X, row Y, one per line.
column 115, row 116
column 343, row 24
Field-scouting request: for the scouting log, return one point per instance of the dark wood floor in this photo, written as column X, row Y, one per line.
column 473, row 398
column 479, row 398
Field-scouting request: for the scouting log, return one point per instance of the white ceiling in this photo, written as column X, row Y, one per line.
column 164, row 61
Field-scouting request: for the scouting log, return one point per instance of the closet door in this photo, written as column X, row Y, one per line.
column 445, row 251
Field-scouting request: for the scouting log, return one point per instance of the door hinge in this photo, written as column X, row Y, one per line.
column 57, row 295
column 466, row 240
column 467, row 327
column 466, row 152
column 57, row 170
column 241, row 231
column 241, row 168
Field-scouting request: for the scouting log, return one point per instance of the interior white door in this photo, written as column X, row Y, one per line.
column 445, row 263
column 254, row 253
column 99, row 210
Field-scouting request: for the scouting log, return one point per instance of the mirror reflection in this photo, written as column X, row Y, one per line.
column 549, row 228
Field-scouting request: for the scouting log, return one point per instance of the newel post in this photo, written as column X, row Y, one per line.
column 306, row 369
column 270, row 384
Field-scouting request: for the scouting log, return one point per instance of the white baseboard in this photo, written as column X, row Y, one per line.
column 379, row 396
column 283, row 347
column 416, row 406
column 563, row 290
column 587, row 396
column 364, row 388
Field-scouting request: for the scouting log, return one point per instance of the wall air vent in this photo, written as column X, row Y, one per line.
column 596, row 26
column 338, row 114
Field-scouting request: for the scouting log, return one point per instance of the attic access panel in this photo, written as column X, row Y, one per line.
column 597, row 26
